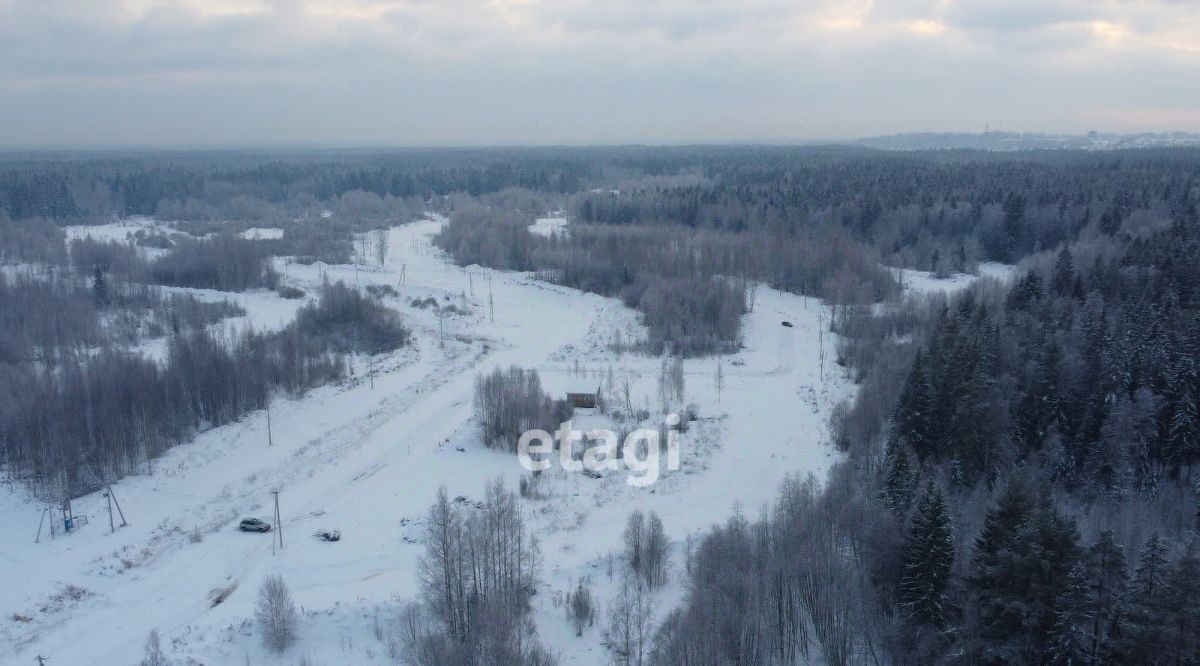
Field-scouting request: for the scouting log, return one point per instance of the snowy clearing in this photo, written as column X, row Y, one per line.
column 924, row 282
column 548, row 226
column 265, row 233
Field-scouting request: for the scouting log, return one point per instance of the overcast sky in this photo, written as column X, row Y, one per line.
column 421, row 72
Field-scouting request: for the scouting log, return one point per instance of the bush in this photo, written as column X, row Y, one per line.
column 581, row 609
column 382, row 290
column 225, row 263
column 291, row 293
column 310, row 242
column 153, row 239
column 344, row 320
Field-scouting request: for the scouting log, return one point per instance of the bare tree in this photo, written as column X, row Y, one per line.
column 276, row 614
column 381, row 246
column 635, row 541
column 477, row 576
column 153, row 655
column 581, row 608
column 655, row 551
column 630, row 624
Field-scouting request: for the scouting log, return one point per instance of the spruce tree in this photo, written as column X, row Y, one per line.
column 912, row 421
column 1019, row 570
column 99, row 289
column 1180, row 616
column 1013, row 226
column 1064, row 272
column 1143, row 633
column 899, row 479
column 1001, row 522
column 928, row 560
column 1070, row 640
column 1108, row 583
column 1183, row 430
column 1039, row 407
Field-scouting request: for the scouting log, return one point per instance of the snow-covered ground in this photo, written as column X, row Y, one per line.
column 926, row 282
column 121, row 230
column 367, row 457
column 548, row 226
column 262, row 233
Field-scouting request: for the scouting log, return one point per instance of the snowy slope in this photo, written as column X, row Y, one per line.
column 368, row 459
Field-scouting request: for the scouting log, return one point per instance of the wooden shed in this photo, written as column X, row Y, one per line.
column 583, row 400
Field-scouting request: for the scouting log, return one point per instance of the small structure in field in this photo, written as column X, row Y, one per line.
column 584, row 399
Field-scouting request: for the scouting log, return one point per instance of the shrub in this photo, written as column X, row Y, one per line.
column 290, row 293
column 344, row 320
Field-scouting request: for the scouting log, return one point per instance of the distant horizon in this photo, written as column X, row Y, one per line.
column 849, row 141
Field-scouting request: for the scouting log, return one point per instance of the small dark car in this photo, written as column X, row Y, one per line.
column 254, row 525
column 787, row 324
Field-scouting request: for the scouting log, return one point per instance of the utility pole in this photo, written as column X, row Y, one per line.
column 821, row 343
column 278, row 524
column 720, row 380
column 38, row 538
column 111, row 528
column 113, row 497
column 42, row 660
column 491, row 303
column 441, row 328
column 270, row 439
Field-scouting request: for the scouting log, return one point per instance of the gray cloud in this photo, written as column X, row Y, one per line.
column 536, row 71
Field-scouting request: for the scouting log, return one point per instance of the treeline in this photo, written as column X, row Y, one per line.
column 45, row 318
column 477, row 576
column 690, row 286
column 687, row 312
column 222, row 262
column 246, row 186
column 935, row 210
column 98, row 419
column 95, row 418
column 787, row 588
column 1019, row 486
column 34, row 240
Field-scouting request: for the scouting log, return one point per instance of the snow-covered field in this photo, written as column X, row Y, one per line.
column 120, row 231
column 548, row 226
column 926, row 282
column 366, row 457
